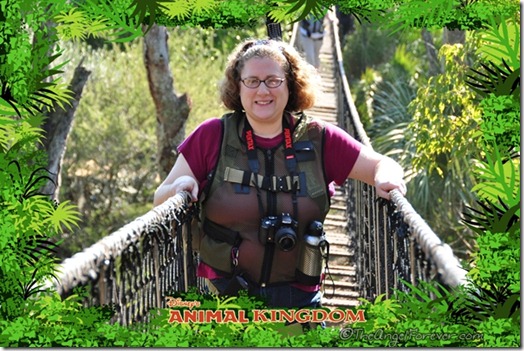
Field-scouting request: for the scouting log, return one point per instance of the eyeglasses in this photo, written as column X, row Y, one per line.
column 253, row 83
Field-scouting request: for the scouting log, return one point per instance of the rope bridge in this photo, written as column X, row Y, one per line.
column 137, row 266
column 393, row 242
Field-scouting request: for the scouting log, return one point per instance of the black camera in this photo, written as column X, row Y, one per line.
column 281, row 230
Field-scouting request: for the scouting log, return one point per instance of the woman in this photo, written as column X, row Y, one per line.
column 265, row 172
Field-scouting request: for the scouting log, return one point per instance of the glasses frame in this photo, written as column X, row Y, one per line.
column 260, row 81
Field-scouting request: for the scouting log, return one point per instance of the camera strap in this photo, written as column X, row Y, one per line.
column 289, row 154
column 291, row 165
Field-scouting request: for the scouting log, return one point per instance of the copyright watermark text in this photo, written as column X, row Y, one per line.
column 394, row 338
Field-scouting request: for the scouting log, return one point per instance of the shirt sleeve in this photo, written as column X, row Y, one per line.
column 201, row 149
column 341, row 151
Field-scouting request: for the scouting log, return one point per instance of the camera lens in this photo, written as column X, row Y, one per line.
column 286, row 238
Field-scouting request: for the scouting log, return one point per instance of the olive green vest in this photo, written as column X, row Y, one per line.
column 231, row 204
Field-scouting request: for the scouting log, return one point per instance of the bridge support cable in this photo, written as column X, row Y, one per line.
column 392, row 242
column 135, row 267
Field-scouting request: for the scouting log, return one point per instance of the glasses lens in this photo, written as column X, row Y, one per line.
column 273, row 82
column 251, row 82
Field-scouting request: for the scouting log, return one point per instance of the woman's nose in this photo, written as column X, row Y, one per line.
column 262, row 88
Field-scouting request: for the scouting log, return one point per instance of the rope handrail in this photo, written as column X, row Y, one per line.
column 448, row 266
column 439, row 253
column 133, row 267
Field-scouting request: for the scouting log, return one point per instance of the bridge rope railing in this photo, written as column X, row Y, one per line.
column 136, row 267
column 391, row 240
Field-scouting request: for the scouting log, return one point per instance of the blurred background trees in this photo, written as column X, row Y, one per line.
column 110, row 169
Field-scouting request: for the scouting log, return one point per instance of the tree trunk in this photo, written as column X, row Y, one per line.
column 432, row 52
column 455, row 36
column 172, row 111
column 56, row 131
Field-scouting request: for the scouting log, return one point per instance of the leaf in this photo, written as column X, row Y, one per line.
column 142, row 8
column 178, row 9
column 499, row 80
column 6, row 109
column 503, row 42
column 203, row 6
column 66, row 215
column 72, row 25
column 498, row 178
column 126, row 27
column 297, row 10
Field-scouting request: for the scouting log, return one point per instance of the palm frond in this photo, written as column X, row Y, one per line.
column 494, row 79
column 482, row 303
column 65, row 214
column 125, row 26
column 143, row 9
column 296, row 10
column 503, row 42
column 496, row 218
column 178, row 9
column 498, row 178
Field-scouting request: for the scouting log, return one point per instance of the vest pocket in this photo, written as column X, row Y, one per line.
column 216, row 246
column 216, row 254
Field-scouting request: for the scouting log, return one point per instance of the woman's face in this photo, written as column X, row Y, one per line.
column 263, row 104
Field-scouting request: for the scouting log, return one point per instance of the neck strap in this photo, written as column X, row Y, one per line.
column 289, row 150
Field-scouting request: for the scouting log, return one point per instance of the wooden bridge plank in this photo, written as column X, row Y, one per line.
column 341, row 263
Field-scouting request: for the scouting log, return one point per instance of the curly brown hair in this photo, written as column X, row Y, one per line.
column 301, row 77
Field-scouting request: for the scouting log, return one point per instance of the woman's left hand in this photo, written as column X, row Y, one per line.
column 389, row 175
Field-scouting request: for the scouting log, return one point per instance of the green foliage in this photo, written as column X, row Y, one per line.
column 498, row 332
column 497, row 260
column 465, row 15
column 495, row 80
column 26, row 70
column 75, row 25
column 417, row 318
column 442, row 138
column 501, row 41
column 372, row 11
column 113, row 20
column 30, row 221
column 122, row 20
column 494, row 217
column 501, row 122
column 368, row 47
column 391, row 118
column 431, row 315
column 499, row 178
column 283, row 11
column 498, row 84
column 444, row 116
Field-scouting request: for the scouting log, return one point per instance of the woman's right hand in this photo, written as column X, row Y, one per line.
column 181, row 178
column 188, row 184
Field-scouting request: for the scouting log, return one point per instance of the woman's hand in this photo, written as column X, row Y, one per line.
column 380, row 171
column 388, row 176
column 188, row 184
column 179, row 179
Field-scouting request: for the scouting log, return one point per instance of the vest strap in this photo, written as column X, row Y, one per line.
column 269, row 183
